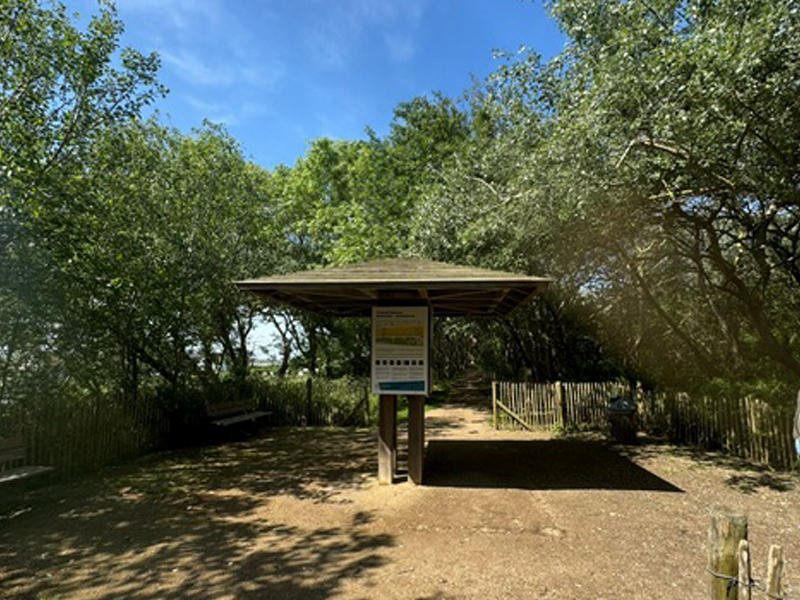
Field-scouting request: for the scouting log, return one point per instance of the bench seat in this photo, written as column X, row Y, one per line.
column 12, row 459
column 22, row 473
column 231, row 412
column 240, row 418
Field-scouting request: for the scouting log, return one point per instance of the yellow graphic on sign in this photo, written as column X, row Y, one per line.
column 403, row 335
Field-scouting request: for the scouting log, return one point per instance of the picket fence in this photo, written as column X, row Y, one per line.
column 745, row 427
column 80, row 434
column 315, row 401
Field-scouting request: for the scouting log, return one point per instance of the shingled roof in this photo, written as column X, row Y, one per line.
column 354, row 289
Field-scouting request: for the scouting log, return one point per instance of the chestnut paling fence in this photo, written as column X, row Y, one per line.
column 74, row 434
column 315, row 401
column 79, row 433
column 745, row 427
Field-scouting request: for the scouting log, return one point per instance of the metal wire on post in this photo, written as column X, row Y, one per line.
column 733, row 582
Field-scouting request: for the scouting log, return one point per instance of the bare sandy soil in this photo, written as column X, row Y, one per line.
column 294, row 513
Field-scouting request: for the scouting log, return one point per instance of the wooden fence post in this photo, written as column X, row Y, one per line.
column 775, row 572
column 745, row 580
column 309, row 399
column 725, row 532
column 562, row 403
column 494, row 405
column 366, row 403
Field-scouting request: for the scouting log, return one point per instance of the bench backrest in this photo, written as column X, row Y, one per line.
column 12, row 450
column 228, row 408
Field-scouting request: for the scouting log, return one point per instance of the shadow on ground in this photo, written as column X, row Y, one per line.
column 196, row 524
column 748, row 477
column 536, row 465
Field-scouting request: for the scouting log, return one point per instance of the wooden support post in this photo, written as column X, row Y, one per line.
column 775, row 572
column 416, row 437
column 725, row 532
column 387, row 438
column 394, row 437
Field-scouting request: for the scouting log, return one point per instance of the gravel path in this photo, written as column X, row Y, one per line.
column 296, row 513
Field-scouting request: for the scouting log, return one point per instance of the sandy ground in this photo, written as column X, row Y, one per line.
column 294, row 513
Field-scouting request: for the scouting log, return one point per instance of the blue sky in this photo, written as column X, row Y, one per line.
column 280, row 73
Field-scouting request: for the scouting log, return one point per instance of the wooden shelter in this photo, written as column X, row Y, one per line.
column 353, row 290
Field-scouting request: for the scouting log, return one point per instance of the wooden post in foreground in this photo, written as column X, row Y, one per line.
column 416, row 437
column 745, row 571
column 775, row 572
column 725, row 532
column 387, row 438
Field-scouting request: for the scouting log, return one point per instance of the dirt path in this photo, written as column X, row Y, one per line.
column 297, row 513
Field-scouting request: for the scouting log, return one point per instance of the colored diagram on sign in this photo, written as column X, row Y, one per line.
column 400, row 335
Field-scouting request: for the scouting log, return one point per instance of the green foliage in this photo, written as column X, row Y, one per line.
column 59, row 88
column 120, row 239
column 171, row 222
column 651, row 168
column 339, row 401
column 59, row 91
column 681, row 119
column 339, row 204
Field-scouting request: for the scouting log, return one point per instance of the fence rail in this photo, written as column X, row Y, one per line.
column 746, row 427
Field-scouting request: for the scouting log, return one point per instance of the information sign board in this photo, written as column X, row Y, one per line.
column 400, row 341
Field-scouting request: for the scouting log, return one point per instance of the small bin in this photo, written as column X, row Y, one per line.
column 622, row 420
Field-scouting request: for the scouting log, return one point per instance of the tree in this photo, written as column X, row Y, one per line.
column 168, row 223
column 682, row 117
column 652, row 168
column 58, row 89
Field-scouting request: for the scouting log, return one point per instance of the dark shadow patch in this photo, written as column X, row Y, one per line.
column 749, row 484
column 195, row 524
column 749, row 478
column 536, row 465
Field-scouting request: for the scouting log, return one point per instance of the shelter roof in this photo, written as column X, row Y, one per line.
column 352, row 290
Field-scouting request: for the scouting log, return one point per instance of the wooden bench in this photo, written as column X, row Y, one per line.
column 231, row 412
column 12, row 460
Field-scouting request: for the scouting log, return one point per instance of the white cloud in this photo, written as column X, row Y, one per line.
column 194, row 70
column 383, row 12
column 401, row 47
column 203, row 106
column 327, row 46
column 338, row 26
column 260, row 76
column 182, row 14
column 222, row 73
column 207, row 44
column 227, row 114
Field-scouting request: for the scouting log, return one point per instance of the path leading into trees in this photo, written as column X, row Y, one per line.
column 504, row 515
